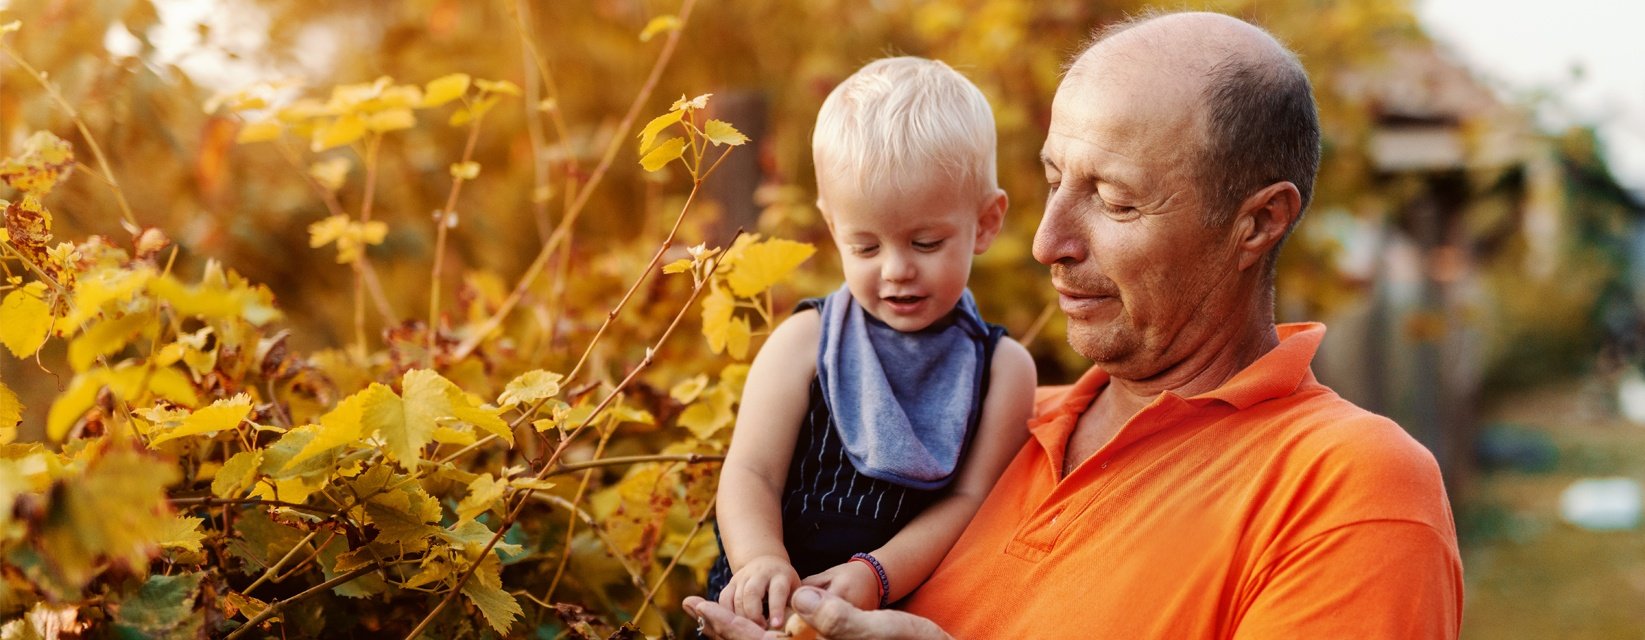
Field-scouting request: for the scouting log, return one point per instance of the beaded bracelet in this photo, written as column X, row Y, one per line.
column 879, row 570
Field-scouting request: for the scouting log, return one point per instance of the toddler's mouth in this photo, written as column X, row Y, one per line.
column 903, row 299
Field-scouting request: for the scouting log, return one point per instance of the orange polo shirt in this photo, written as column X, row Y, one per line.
column 1267, row 508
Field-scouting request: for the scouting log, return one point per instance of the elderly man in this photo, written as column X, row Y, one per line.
column 1198, row 482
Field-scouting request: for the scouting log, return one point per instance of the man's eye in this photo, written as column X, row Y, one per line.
column 1053, row 187
column 1118, row 211
column 928, row 246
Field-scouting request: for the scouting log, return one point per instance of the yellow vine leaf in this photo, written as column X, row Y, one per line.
column 717, row 310
column 338, row 132
column 263, row 131
column 709, row 414
column 483, row 492
column 662, row 155
column 765, row 264
column 485, row 590
column 687, row 390
column 473, row 112
column 530, row 386
column 498, row 86
column 73, row 402
column 457, row 434
column 657, row 124
column 737, row 337
column 46, row 159
column 181, row 532
column 351, row 236
column 445, row 89
column 25, row 319
column 106, row 337
column 678, row 266
column 331, row 174
column 343, row 424
column 11, row 414
column 221, row 415
column 658, row 25
column 390, row 120
column 102, row 287
column 237, row 474
column 465, row 170
column 692, row 104
column 113, row 510
column 720, row 132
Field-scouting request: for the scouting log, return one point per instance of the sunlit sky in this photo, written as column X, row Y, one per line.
column 1588, row 56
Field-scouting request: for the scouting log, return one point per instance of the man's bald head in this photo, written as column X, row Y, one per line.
column 1256, row 106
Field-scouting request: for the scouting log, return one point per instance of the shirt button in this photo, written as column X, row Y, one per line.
column 1105, row 465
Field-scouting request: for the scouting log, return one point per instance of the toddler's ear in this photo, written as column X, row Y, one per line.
column 989, row 220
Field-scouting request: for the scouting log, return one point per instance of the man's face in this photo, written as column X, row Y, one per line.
column 906, row 256
column 1136, row 268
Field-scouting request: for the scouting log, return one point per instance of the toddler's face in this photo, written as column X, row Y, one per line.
column 906, row 257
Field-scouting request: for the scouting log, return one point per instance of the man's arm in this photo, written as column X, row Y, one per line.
column 1373, row 579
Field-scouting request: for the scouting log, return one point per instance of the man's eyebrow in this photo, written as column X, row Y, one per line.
column 1045, row 159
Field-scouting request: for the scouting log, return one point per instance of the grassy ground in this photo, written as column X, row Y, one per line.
column 1530, row 574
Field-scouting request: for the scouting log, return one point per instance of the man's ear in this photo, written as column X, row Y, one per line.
column 1262, row 221
column 989, row 220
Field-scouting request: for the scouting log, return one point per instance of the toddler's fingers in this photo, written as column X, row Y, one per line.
column 751, row 599
column 777, row 600
column 728, row 595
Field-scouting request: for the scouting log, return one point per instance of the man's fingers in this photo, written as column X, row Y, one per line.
column 721, row 622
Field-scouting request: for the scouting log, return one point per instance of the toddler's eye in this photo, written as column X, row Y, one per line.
column 928, row 246
column 864, row 249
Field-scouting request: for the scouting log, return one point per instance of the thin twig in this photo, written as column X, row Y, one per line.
column 650, row 593
column 617, row 142
column 549, row 465
column 688, row 458
column 129, row 220
column 442, row 226
column 1039, row 324
column 275, row 608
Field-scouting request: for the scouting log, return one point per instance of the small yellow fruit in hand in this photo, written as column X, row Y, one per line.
column 797, row 629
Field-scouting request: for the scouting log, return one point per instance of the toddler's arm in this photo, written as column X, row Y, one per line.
column 913, row 553
column 756, row 466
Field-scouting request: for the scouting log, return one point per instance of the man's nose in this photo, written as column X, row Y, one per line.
column 897, row 267
column 1058, row 238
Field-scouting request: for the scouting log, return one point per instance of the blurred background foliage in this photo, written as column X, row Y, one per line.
column 1460, row 255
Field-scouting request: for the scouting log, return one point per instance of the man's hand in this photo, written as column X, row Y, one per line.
column 765, row 580
column 852, row 581
column 831, row 616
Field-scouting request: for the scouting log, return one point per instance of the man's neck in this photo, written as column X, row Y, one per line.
column 1208, row 366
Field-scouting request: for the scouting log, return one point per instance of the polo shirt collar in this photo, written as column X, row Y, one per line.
column 1276, row 374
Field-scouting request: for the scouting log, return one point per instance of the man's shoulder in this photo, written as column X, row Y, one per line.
column 1359, row 464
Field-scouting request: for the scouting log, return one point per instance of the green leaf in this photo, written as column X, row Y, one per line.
column 664, row 153
column 25, row 319
column 222, row 415
column 657, row 124
column 719, row 132
column 163, row 606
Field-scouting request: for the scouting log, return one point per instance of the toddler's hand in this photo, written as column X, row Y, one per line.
column 760, row 590
column 853, row 582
